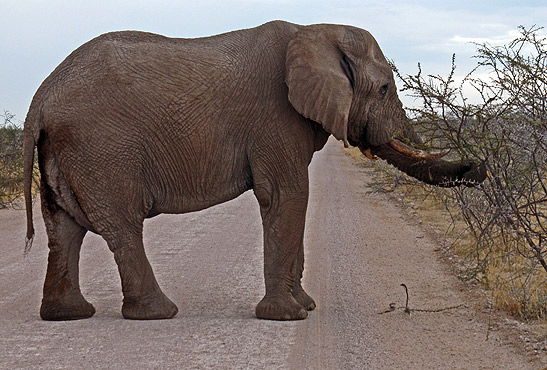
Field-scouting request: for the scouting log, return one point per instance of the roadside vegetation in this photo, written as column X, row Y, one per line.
column 497, row 231
column 11, row 161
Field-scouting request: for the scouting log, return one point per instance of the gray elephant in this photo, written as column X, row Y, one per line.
column 132, row 124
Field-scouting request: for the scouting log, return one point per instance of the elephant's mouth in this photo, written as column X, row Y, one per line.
column 428, row 166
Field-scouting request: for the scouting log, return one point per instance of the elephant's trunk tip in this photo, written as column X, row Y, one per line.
column 476, row 175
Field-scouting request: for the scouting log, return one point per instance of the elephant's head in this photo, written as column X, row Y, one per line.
column 338, row 77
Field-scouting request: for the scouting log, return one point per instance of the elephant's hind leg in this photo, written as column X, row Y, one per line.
column 143, row 298
column 62, row 299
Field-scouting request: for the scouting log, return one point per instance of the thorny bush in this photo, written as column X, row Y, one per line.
column 505, row 124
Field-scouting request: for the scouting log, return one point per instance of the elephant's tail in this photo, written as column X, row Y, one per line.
column 29, row 142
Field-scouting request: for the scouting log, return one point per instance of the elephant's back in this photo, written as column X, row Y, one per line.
column 130, row 83
column 138, row 67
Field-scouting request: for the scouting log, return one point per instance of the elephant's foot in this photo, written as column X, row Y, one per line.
column 303, row 298
column 153, row 307
column 71, row 307
column 280, row 308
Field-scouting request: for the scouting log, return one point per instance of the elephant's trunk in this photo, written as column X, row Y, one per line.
column 428, row 167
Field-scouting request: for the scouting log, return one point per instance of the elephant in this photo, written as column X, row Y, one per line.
column 132, row 124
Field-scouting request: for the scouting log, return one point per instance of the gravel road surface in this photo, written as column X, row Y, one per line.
column 360, row 248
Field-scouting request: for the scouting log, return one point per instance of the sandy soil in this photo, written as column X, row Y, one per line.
column 360, row 248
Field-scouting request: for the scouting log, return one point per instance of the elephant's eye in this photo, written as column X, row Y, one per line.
column 384, row 89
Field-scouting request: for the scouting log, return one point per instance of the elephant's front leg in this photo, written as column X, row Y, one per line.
column 283, row 216
column 298, row 292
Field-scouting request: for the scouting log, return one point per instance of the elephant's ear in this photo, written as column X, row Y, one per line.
column 319, row 88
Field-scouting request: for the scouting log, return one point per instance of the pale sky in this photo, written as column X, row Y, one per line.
column 37, row 35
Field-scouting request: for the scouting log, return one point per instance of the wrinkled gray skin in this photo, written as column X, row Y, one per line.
column 134, row 124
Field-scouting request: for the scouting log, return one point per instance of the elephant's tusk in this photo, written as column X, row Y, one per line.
column 415, row 153
column 368, row 153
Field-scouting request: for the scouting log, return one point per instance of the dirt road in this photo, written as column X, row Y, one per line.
column 359, row 250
